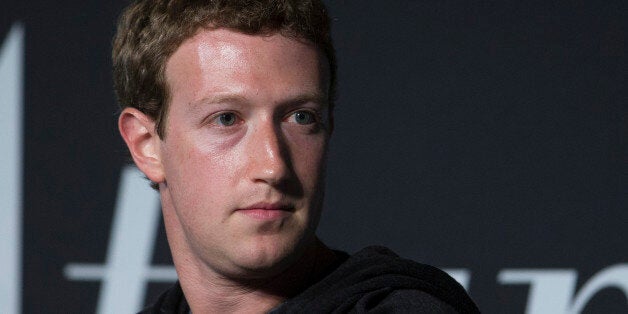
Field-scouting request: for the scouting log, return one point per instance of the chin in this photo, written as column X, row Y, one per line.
column 269, row 257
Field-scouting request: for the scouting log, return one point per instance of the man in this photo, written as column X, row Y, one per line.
column 227, row 109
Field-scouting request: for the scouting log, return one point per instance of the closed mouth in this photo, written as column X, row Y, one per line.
column 267, row 210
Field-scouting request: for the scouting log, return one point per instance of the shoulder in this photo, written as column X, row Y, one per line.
column 376, row 279
column 408, row 286
column 402, row 301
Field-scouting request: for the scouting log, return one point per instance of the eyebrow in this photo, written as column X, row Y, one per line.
column 307, row 97
column 218, row 99
column 239, row 99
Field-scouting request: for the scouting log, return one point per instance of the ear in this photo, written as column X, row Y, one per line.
column 138, row 131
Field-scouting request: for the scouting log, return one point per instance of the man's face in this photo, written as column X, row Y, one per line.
column 244, row 152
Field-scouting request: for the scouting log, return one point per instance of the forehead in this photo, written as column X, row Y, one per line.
column 224, row 54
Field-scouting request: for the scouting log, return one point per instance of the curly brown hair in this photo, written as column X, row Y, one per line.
column 150, row 31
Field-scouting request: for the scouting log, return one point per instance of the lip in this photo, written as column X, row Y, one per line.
column 267, row 211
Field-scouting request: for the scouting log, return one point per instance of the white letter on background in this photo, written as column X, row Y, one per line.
column 11, row 81
column 133, row 234
column 612, row 276
column 550, row 290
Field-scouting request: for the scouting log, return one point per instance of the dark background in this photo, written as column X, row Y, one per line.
column 471, row 135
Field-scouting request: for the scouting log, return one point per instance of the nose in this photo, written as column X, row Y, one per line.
column 269, row 159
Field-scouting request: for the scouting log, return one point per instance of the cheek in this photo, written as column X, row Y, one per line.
column 199, row 155
column 199, row 172
column 202, row 192
column 309, row 158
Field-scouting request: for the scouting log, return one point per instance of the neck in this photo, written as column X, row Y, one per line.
column 212, row 294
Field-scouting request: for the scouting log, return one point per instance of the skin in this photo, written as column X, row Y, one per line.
column 241, row 167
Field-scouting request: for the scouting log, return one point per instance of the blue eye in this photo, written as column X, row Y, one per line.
column 304, row 117
column 227, row 118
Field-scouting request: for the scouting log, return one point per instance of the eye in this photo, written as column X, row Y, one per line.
column 227, row 119
column 303, row 117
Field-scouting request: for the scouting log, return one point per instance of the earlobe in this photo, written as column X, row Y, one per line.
column 138, row 131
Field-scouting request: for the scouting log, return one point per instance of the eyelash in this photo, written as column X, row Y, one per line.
column 316, row 116
column 215, row 118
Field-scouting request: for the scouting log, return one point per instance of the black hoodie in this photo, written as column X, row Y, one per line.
column 374, row 280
